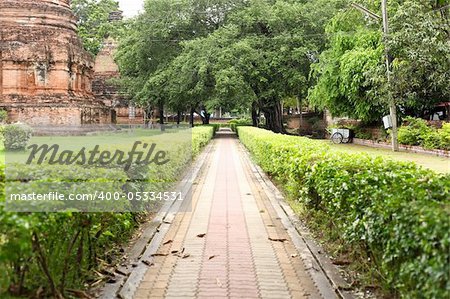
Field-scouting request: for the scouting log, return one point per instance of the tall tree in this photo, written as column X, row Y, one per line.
column 153, row 40
column 93, row 21
column 261, row 55
column 350, row 74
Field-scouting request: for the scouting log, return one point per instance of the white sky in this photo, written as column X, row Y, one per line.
column 131, row 7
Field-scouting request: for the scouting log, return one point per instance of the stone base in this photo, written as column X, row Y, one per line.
column 72, row 130
column 54, row 115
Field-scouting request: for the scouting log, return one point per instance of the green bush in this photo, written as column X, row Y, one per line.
column 234, row 123
column 417, row 132
column 16, row 136
column 438, row 139
column 3, row 116
column 397, row 211
column 52, row 252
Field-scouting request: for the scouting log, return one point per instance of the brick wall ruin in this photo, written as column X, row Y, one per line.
column 103, row 87
column 45, row 74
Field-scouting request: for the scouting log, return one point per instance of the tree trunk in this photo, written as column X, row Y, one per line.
column 161, row 115
column 254, row 114
column 204, row 115
column 300, row 109
column 274, row 118
column 149, row 115
column 178, row 118
column 191, row 121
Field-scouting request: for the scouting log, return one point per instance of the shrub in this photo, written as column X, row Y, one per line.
column 16, row 136
column 56, row 251
column 396, row 210
column 417, row 132
column 3, row 116
column 234, row 123
column 438, row 139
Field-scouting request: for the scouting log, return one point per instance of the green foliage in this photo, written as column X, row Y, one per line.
column 438, row 139
column 16, row 136
column 255, row 54
column 54, row 252
column 344, row 72
column 235, row 123
column 350, row 75
column 415, row 132
column 397, row 211
column 419, row 44
column 3, row 116
column 93, row 22
column 418, row 132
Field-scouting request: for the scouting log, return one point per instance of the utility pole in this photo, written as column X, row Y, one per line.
column 392, row 106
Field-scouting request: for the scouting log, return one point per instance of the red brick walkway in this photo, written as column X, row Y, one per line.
column 231, row 245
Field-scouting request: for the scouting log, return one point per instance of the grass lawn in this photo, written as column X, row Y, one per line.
column 436, row 163
column 106, row 141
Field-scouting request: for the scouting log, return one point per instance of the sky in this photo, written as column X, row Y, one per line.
column 131, row 7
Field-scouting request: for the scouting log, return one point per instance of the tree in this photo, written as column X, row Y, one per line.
column 153, row 40
column 350, row 74
column 261, row 55
column 347, row 74
column 93, row 21
column 420, row 45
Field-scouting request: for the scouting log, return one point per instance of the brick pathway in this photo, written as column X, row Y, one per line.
column 232, row 244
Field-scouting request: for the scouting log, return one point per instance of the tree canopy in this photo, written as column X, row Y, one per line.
column 350, row 74
column 250, row 55
column 247, row 54
column 93, row 21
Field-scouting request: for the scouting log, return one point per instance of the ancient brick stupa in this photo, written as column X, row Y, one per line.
column 103, row 87
column 45, row 74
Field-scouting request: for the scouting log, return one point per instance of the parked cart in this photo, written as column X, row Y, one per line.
column 341, row 135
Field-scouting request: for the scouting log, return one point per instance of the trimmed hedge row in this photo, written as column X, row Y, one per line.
column 396, row 210
column 44, row 254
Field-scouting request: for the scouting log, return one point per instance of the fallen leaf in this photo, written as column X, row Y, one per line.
column 121, row 272
column 159, row 254
column 148, row 263
column 277, row 239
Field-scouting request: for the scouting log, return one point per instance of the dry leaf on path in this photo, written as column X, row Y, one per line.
column 277, row 239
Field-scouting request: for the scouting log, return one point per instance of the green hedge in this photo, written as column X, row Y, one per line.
column 417, row 132
column 396, row 210
column 58, row 251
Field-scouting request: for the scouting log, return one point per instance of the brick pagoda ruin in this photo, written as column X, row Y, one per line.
column 103, row 86
column 45, row 74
